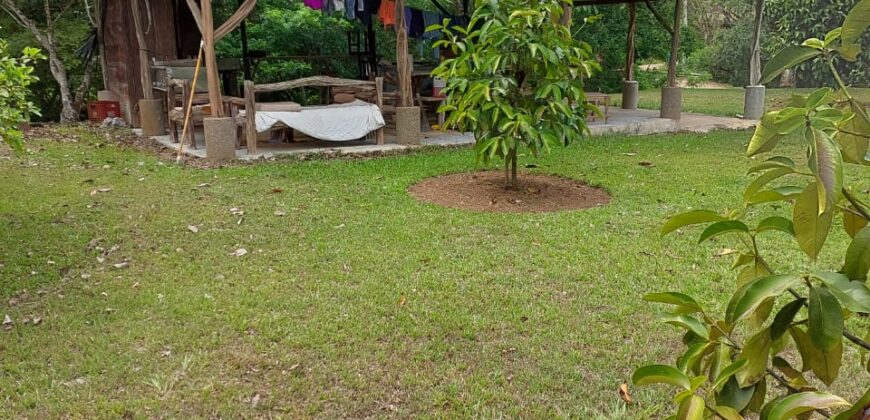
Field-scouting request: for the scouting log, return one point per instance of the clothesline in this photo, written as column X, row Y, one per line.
column 417, row 20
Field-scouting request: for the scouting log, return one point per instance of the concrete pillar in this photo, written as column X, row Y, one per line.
column 629, row 94
column 220, row 139
column 151, row 117
column 672, row 102
column 408, row 125
column 753, row 102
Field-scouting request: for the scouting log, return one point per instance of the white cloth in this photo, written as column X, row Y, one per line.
column 339, row 122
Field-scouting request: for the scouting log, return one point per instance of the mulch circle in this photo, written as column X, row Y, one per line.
column 485, row 191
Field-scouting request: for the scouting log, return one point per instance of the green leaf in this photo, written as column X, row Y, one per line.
column 827, row 164
column 819, row 97
column 776, row 194
column 776, row 223
column 811, row 227
column 784, row 317
column 688, row 322
column 690, row 218
column 853, row 295
column 853, row 145
column 684, row 303
column 825, row 319
column 796, row 404
column 763, row 180
column 660, row 374
column 748, row 298
column 688, row 361
column 854, row 25
column 719, row 228
column 727, row 413
column 691, row 409
column 814, row 43
column 766, row 135
column 853, row 222
column 756, row 352
column 857, row 410
column 732, row 395
column 825, row 365
column 858, row 256
column 788, row 57
column 773, row 162
column 728, row 372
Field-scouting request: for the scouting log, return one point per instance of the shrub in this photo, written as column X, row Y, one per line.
column 16, row 75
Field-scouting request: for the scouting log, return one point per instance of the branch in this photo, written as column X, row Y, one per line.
column 659, row 17
column 856, row 203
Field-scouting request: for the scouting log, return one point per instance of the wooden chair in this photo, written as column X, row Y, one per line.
column 177, row 96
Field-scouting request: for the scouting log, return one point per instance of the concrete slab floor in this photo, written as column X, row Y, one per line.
column 620, row 121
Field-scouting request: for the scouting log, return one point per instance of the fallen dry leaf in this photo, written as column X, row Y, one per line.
column 193, row 228
column 280, row 213
column 7, row 322
column 724, row 252
column 120, row 265
column 402, row 301
column 646, row 164
column 239, row 252
column 624, row 394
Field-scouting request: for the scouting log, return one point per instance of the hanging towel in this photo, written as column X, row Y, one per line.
column 387, row 12
column 416, row 27
column 429, row 19
column 338, row 5
column 314, row 4
column 350, row 9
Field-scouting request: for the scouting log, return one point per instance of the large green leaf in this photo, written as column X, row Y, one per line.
column 756, row 351
column 688, row 322
column 788, row 57
column 776, row 194
column 858, row 256
column 691, row 409
column 690, row 218
column 825, row 319
column 825, row 365
column 723, row 227
column 763, row 180
column 751, row 295
column 728, row 372
column 784, row 317
column 853, row 295
column 793, row 405
column 732, row 395
column 766, row 135
column 660, row 374
column 827, row 164
column 727, row 413
column 853, row 222
column 773, row 162
column 811, row 227
column 776, row 223
column 855, row 24
column 684, row 303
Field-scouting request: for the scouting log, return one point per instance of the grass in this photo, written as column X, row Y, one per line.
column 361, row 301
column 726, row 102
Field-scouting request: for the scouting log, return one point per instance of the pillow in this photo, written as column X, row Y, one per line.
column 343, row 98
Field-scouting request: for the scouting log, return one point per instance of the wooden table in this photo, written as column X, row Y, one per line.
column 597, row 99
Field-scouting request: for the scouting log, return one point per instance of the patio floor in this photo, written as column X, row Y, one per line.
column 620, row 121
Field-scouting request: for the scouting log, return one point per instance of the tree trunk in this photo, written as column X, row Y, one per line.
column 510, row 169
column 755, row 60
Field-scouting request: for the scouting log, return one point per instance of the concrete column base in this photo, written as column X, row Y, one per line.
column 220, row 139
column 753, row 102
column 672, row 102
column 151, row 117
column 408, row 125
column 629, row 94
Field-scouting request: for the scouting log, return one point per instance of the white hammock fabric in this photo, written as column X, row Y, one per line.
column 338, row 122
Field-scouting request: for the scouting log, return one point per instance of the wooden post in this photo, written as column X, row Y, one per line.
column 403, row 60
column 567, row 14
column 632, row 31
column 208, row 37
column 144, row 66
column 379, row 101
column 675, row 44
column 250, row 116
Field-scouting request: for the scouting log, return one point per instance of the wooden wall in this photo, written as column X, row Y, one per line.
column 121, row 49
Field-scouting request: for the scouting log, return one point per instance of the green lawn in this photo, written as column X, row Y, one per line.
column 726, row 102
column 361, row 301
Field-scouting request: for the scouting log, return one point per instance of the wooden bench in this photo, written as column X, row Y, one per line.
column 598, row 99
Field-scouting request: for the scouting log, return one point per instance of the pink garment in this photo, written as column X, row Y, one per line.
column 314, row 4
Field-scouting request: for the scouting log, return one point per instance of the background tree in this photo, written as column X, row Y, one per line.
column 44, row 20
column 516, row 80
column 729, row 359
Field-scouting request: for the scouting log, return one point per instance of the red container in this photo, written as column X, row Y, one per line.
column 98, row 111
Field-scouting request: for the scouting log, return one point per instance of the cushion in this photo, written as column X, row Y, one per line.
column 343, row 98
column 279, row 107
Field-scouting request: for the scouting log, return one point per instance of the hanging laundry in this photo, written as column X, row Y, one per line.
column 387, row 12
column 314, row 4
column 350, row 9
column 337, row 5
column 416, row 27
column 429, row 19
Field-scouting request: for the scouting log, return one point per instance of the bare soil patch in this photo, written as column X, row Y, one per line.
column 485, row 191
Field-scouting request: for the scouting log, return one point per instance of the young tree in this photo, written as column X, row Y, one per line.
column 16, row 74
column 516, row 79
column 24, row 14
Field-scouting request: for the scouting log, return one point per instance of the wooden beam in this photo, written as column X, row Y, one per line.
column 197, row 15
column 632, row 32
column 403, row 59
column 675, row 44
column 660, row 18
column 144, row 66
column 208, row 38
column 235, row 20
